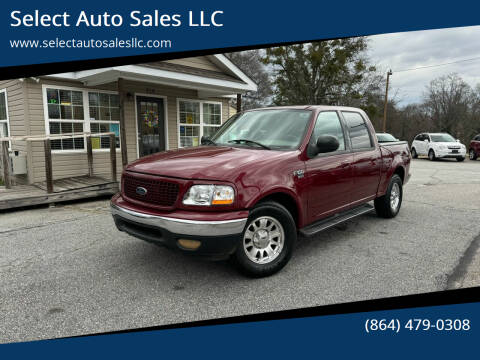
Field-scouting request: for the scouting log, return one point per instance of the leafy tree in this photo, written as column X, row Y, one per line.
column 250, row 62
column 333, row 72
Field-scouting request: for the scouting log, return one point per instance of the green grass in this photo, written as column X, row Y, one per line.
column 1, row 182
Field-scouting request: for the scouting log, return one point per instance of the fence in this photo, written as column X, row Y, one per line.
column 47, row 139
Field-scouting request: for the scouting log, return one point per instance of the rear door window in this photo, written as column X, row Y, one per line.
column 358, row 130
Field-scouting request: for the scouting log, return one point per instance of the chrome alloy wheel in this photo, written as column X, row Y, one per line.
column 263, row 240
column 395, row 197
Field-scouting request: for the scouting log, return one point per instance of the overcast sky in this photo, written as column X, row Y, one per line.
column 400, row 51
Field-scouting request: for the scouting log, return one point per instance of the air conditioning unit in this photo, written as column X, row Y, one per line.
column 18, row 163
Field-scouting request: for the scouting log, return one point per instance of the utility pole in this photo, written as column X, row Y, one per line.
column 386, row 101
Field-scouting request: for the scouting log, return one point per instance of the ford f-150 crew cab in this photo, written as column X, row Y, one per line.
column 266, row 176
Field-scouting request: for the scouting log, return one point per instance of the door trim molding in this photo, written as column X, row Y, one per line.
column 165, row 106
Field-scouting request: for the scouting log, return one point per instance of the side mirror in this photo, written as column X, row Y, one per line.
column 426, row 140
column 326, row 144
column 458, row 140
column 205, row 140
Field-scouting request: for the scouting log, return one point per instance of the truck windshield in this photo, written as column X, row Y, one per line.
column 280, row 129
column 442, row 138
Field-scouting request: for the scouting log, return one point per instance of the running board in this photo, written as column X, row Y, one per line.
column 335, row 220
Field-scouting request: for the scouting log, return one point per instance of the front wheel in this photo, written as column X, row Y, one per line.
column 431, row 155
column 472, row 155
column 267, row 241
column 459, row 159
column 388, row 205
column 414, row 153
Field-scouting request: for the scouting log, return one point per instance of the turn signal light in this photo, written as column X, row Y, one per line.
column 222, row 202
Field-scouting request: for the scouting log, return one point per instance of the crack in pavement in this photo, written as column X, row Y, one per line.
column 456, row 277
column 41, row 225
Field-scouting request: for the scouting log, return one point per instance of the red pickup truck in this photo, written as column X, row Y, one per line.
column 474, row 150
column 266, row 176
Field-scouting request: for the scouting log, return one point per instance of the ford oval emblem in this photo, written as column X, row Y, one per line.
column 141, row 191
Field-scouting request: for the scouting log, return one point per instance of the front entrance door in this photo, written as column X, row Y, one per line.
column 151, row 125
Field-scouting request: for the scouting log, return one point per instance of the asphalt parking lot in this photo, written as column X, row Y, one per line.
column 67, row 271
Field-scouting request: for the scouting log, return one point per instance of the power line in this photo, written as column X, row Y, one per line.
column 437, row 65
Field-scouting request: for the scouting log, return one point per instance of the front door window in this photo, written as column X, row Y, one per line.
column 151, row 125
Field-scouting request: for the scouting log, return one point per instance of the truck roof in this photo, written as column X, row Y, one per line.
column 309, row 107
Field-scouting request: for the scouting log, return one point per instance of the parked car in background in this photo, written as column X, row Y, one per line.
column 264, row 177
column 438, row 145
column 474, row 150
column 385, row 137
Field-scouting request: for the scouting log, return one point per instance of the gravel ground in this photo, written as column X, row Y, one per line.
column 67, row 271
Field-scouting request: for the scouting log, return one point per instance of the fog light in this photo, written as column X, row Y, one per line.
column 189, row 244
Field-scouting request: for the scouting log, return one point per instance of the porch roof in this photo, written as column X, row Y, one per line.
column 208, row 83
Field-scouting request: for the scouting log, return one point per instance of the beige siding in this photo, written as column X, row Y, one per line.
column 64, row 164
column 75, row 164
column 16, row 117
column 201, row 62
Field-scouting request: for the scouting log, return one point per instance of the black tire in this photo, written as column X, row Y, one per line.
column 431, row 155
column 278, row 212
column 460, row 159
column 414, row 153
column 472, row 155
column 383, row 205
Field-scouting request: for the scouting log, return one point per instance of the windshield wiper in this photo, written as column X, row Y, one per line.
column 206, row 140
column 246, row 141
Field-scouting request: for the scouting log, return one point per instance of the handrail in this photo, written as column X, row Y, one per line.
column 47, row 139
column 54, row 136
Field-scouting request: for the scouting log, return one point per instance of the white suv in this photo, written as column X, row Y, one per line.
column 438, row 145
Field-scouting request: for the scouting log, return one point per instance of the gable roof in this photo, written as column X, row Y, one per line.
column 231, row 80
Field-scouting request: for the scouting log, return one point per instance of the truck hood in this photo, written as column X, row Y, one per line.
column 206, row 162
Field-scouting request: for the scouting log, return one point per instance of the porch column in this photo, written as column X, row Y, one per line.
column 6, row 164
column 123, row 136
column 239, row 103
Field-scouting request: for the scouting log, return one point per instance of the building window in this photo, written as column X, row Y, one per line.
column 104, row 113
column 196, row 119
column 4, row 125
column 66, row 111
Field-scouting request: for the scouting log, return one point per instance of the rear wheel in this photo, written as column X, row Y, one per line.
column 431, row 155
column 472, row 155
column 414, row 153
column 388, row 205
column 267, row 241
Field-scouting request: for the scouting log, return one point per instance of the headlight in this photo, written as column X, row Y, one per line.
column 209, row 195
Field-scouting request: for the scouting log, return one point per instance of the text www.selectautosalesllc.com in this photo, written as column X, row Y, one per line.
column 57, row 43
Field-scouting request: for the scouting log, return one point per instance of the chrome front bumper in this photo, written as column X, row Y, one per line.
column 182, row 226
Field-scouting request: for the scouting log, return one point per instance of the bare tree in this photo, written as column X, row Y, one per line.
column 449, row 99
column 251, row 64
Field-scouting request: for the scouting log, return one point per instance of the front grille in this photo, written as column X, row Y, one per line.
column 454, row 147
column 159, row 192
